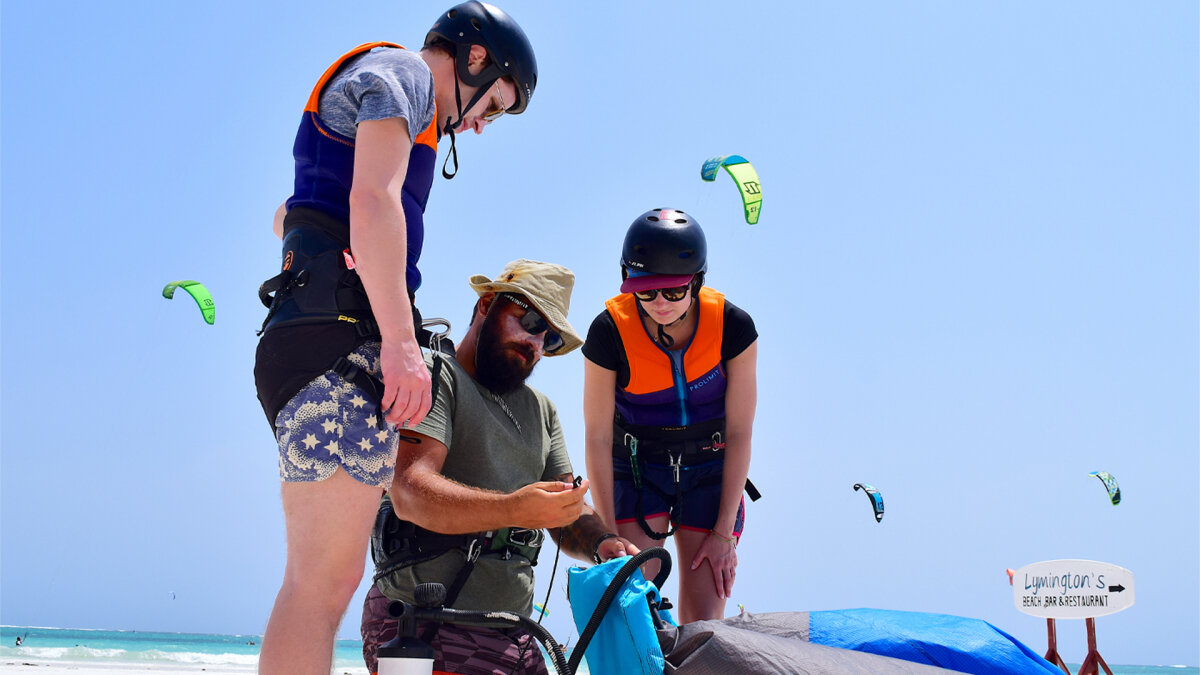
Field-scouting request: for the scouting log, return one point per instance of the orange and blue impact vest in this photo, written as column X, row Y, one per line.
column 325, row 168
column 672, row 388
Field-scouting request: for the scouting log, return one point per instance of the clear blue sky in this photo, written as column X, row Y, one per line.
column 975, row 280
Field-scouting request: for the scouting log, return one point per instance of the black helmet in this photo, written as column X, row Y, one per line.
column 478, row 23
column 664, row 242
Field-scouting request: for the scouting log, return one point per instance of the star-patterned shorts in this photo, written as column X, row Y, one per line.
column 331, row 423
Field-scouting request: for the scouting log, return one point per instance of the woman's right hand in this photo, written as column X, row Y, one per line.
column 721, row 553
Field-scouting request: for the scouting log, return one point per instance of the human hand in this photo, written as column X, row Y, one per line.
column 721, row 553
column 406, row 384
column 616, row 547
column 547, row 504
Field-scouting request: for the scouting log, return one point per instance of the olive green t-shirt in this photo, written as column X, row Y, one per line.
column 495, row 443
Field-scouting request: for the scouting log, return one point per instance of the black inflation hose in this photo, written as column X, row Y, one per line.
column 610, row 594
column 494, row 620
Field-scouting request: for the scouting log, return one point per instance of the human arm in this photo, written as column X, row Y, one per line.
column 422, row 495
column 379, row 241
column 589, row 536
column 599, row 388
column 741, row 399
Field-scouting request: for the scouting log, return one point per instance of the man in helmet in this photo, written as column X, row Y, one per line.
column 669, row 399
column 338, row 366
column 479, row 479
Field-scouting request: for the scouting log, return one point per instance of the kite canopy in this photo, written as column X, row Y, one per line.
column 743, row 175
column 1110, row 484
column 199, row 293
column 874, row 496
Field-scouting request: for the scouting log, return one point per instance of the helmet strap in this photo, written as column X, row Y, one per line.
column 449, row 130
column 664, row 338
column 479, row 93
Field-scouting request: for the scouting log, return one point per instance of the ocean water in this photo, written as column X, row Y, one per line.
column 112, row 649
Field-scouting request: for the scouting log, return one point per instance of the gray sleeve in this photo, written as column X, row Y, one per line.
column 557, row 462
column 381, row 84
column 439, row 423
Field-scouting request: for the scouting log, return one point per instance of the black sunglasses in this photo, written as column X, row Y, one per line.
column 534, row 323
column 669, row 294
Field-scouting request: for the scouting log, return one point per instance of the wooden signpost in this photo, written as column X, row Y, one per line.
column 1073, row 589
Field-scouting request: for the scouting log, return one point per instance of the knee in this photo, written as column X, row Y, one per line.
column 333, row 584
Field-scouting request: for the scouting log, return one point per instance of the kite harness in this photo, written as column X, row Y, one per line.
column 396, row 544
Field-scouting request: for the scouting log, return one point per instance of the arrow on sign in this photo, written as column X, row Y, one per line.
column 1116, row 589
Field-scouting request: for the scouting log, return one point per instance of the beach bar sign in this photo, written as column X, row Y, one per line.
column 1072, row 589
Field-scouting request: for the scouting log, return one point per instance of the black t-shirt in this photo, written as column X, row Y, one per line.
column 603, row 346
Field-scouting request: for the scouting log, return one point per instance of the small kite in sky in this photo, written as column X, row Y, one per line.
column 744, row 175
column 874, row 496
column 199, row 293
column 1110, row 484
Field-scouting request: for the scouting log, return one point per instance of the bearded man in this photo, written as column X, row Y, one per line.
column 481, row 476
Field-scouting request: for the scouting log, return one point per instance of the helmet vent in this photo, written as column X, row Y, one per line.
column 452, row 13
column 654, row 218
column 476, row 25
column 681, row 221
column 684, row 255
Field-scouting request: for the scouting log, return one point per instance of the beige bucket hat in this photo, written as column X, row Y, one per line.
column 548, row 287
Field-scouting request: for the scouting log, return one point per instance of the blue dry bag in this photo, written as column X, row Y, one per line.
column 625, row 640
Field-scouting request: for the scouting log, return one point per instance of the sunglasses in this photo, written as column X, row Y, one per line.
column 534, row 323
column 669, row 294
column 494, row 114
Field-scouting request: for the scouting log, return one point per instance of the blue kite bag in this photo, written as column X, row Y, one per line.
column 626, row 641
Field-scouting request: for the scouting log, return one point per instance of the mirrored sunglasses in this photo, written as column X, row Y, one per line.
column 669, row 294
column 534, row 323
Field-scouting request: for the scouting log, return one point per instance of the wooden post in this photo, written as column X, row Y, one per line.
column 1093, row 657
column 1052, row 652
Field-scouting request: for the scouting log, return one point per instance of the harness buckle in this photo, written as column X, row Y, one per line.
column 631, row 442
column 435, row 338
column 718, row 441
column 676, row 461
column 475, row 548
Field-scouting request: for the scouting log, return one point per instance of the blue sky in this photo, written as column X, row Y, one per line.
column 975, row 281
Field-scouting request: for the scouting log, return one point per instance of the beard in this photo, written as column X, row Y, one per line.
column 496, row 366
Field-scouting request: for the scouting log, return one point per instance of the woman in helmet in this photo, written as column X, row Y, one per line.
column 669, row 398
column 342, row 318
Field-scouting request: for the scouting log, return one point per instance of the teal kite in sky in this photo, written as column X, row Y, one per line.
column 199, row 293
column 744, row 175
column 1110, row 484
column 874, row 496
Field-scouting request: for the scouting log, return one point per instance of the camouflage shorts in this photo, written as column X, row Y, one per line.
column 331, row 422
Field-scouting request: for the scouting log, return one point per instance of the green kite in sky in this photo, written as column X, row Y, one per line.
column 1110, row 484
column 744, row 175
column 199, row 293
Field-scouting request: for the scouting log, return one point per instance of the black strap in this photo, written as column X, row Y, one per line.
column 352, row 373
column 473, row 550
column 752, row 492
column 639, row 511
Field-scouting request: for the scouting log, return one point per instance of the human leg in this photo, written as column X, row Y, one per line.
column 704, row 590
column 335, row 463
column 328, row 525
column 698, row 596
